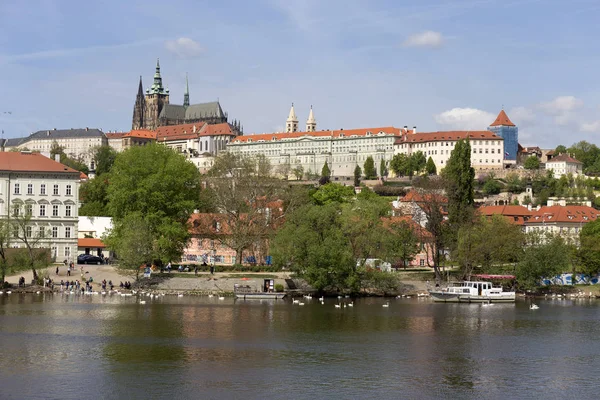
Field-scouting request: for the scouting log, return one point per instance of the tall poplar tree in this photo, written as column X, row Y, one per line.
column 369, row 168
column 459, row 179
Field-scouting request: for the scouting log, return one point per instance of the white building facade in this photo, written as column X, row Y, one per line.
column 342, row 149
column 487, row 149
column 49, row 191
column 564, row 165
column 78, row 144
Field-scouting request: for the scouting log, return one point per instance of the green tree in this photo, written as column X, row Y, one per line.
column 94, row 197
column 532, row 162
column 417, row 163
column 298, row 172
column 544, row 255
column 560, row 149
column 134, row 240
column 589, row 250
column 430, row 167
column 491, row 187
column 247, row 195
column 459, row 179
column 369, row 169
column 357, row 175
column 24, row 231
column 333, row 193
column 382, row 168
column 514, row 183
column 402, row 241
column 400, row 164
column 325, row 174
column 160, row 187
column 104, row 158
column 585, row 152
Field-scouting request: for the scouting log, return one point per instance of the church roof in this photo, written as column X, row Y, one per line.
column 204, row 110
column 66, row 134
column 502, row 120
column 194, row 111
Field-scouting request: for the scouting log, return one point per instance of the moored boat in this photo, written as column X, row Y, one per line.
column 472, row 292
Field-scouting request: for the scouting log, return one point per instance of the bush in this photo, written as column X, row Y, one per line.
column 278, row 287
column 395, row 191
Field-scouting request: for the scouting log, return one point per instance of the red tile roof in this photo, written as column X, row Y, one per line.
column 573, row 214
column 31, row 162
column 217, row 129
column 90, row 242
column 564, row 158
column 141, row 134
column 389, row 130
column 115, row 135
column 176, row 130
column 447, row 135
column 502, row 120
column 83, row 176
column 515, row 214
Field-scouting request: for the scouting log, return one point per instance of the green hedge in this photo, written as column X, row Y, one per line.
column 230, row 268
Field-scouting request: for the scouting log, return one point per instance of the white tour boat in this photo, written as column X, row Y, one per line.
column 472, row 292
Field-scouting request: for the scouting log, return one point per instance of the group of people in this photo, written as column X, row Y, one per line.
column 110, row 284
column 126, row 285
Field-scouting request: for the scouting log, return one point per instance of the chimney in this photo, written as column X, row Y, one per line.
column 47, row 133
column 414, row 129
column 53, row 129
column 87, row 129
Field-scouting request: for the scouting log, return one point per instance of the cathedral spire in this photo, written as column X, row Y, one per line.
column 311, row 122
column 186, row 95
column 291, row 124
column 157, row 87
column 140, row 89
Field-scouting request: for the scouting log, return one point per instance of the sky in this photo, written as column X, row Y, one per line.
column 436, row 65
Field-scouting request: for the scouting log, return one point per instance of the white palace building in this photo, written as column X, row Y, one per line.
column 344, row 149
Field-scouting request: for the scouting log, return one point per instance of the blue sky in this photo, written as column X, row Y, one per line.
column 439, row 65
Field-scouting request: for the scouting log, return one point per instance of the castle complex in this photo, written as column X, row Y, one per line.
column 153, row 108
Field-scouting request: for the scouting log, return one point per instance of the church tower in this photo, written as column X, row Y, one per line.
column 508, row 131
column 291, row 124
column 186, row 95
column 311, row 122
column 139, row 108
column 156, row 97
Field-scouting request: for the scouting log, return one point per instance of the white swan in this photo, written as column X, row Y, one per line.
column 387, row 304
column 300, row 304
column 180, row 295
column 210, row 296
column 322, row 298
column 534, row 307
column 222, row 298
column 142, row 301
column 351, row 304
column 338, row 306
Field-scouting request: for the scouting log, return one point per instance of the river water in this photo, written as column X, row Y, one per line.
column 68, row 347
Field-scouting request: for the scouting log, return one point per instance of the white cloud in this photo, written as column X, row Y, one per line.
column 465, row 119
column 591, row 127
column 561, row 105
column 429, row 39
column 522, row 116
column 184, row 47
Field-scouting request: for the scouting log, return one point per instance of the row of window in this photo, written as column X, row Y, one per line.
column 55, row 189
column 43, row 232
column 44, row 210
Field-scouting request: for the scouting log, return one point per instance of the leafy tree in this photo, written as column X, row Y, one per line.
column 585, row 152
column 589, row 250
column 532, row 162
column 325, row 174
column 333, row 193
column 382, row 168
column 4, row 244
column 160, row 187
column 104, row 158
column 544, row 255
column 369, row 168
column 400, row 164
column 247, row 196
column 357, row 174
column 298, row 172
column 285, row 169
column 514, row 184
column 94, row 196
column 430, row 167
column 134, row 241
column 459, row 180
column 23, row 231
column 417, row 163
column 403, row 241
column 560, row 149
column 491, row 187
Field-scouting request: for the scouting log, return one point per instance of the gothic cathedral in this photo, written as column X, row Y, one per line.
column 152, row 108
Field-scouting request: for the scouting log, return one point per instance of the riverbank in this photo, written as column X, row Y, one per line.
column 203, row 283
